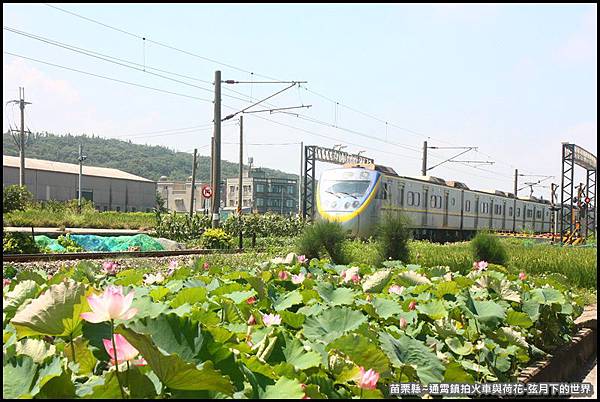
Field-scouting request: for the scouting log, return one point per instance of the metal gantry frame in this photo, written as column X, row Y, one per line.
column 574, row 155
column 312, row 154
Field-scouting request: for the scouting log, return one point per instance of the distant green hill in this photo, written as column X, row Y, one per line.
column 149, row 161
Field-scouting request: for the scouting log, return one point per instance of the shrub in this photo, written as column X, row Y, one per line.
column 69, row 244
column 323, row 234
column 18, row 243
column 393, row 234
column 180, row 227
column 216, row 239
column 487, row 247
column 15, row 198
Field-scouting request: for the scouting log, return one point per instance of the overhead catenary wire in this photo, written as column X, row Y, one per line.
column 236, row 68
column 258, row 75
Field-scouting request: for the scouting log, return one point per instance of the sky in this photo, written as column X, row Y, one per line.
column 512, row 80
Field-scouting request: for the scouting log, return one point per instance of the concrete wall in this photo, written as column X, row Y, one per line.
column 108, row 193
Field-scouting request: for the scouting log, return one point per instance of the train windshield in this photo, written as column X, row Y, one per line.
column 354, row 188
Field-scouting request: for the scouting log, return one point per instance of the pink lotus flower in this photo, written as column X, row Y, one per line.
column 396, row 289
column 251, row 300
column 173, row 266
column 480, row 266
column 125, row 351
column 5, row 282
column 298, row 279
column 403, row 323
column 522, row 276
column 111, row 305
column 412, row 305
column 109, row 268
column 368, row 379
column 301, row 259
column 350, row 274
column 271, row 319
column 251, row 320
column 205, row 266
column 150, row 279
column 356, row 278
column 283, row 275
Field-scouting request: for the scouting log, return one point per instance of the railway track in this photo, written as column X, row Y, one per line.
column 108, row 254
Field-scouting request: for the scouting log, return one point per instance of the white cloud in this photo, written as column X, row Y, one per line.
column 465, row 11
column 580, row 47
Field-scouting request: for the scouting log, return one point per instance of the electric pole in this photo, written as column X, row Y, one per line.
column 515, row 202
column 193, row 183
column 81, row 158
column 21, row 142
column 240, row 181
column 300, row 179
column 424, row 166
column 216, row 157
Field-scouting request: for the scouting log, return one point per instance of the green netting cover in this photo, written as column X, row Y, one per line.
column 139, row 242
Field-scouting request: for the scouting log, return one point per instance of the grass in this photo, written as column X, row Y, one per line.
column 107, row 220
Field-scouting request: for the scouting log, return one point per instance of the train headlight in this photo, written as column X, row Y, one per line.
column 347, row 205
column 355, row 204
column 333, row 204
column 364, row 175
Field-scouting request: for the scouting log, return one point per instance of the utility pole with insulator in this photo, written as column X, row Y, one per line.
column 240, row 180
column 424, row 166
column 216, row 157
column 81, row 158
column 21, row 141
column 515, row 202
column 300, row 179
column 193, row 183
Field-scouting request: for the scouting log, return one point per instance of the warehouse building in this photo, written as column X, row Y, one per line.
column 109, row 189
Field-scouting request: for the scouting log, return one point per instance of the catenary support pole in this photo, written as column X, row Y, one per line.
column 192, row 196
column 216, row 160
column 424, row 167
column 240, row 181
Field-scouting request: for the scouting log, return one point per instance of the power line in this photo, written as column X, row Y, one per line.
column 110, row 78
column 252, row 73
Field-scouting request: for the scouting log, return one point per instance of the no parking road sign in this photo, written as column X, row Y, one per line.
column 207, row 191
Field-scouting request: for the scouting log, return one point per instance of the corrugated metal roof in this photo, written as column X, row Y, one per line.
column 39, row 164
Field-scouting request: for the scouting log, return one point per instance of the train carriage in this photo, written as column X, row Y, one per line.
column 358, row 195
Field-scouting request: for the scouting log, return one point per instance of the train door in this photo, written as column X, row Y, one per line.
column 533, row 217
column 446, row 204
column 491, row 212
column 425, row 206
column 462, row 208
column 504, row 215
column 476, row 225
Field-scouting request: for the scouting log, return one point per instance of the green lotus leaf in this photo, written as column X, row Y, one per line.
column 547, row 296
column 376, row 282
column 445, row 288
column 37, row 349
column 16, row 297
column 17, row 377
column 407, row 350
column 385, row 308
column 190, row 296
column 147, row 308
column 55, row 312
column 294, row 320
column 335, row 297
column 130, row 277
column 296, row 355
column 286, row 301
column 83, row 355
column 456, row 374
column 240, row 297
column 488, row 314
column 173, row 371
column 159, row 293
column 361, row 351
column 411, row 278
column 435, row 309
column 459, row 347
column 284, row 388
column 518, row 319
column 332, row 323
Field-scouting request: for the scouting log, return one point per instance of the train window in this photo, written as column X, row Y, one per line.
column 539, row 214
column 468, row 205
column 510, row 211
column 452, row 201
column 401, row 191
column 417, row 199
column 529, row 213
column 518, row 212
column 410, row 198
column 440, row 201
column 433, row 201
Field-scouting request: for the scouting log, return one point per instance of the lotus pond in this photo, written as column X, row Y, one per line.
column 305, row 329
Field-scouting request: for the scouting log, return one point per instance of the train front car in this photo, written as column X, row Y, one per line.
column 346, row 195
